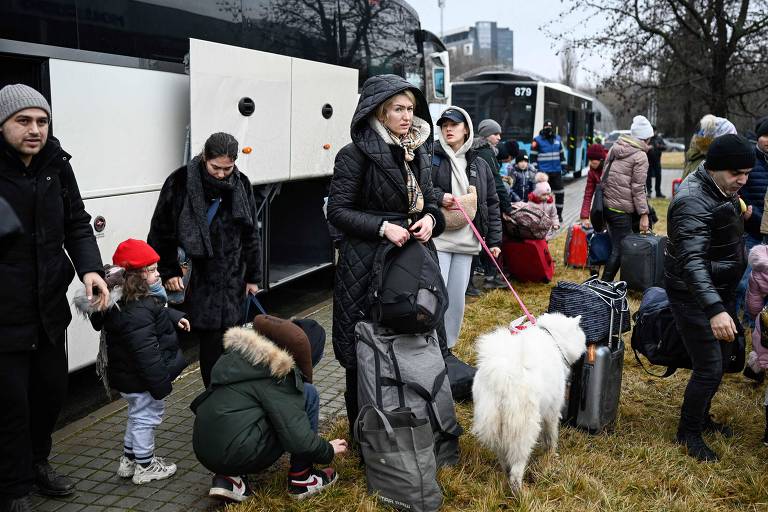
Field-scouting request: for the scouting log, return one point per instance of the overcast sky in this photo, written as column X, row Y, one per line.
column 534, row 50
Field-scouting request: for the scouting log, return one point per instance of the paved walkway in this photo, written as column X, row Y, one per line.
column 88, row 449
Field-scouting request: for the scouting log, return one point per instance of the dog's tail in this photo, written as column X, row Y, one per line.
column 506, row 413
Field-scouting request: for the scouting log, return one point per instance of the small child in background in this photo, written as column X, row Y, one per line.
column 141, row 353
column 541, row 177
column 757, row 292
column 542, row 198
column 522, row 177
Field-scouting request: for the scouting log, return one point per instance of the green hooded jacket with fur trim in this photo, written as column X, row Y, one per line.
column 254, row 411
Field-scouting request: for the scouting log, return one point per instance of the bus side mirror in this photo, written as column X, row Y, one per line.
column 438, row 79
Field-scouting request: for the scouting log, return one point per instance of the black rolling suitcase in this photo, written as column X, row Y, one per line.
column 642, row 261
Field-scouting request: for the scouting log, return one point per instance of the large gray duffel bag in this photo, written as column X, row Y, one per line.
column 397, row 371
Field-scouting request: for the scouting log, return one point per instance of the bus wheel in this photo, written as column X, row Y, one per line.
column 577, row 174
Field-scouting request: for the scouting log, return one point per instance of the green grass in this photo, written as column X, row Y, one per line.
column 636, row 468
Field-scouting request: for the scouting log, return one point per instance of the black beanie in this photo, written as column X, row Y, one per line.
column 730, row 152
column 762, row 127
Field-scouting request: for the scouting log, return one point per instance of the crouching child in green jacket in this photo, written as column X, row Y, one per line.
column 261, row 404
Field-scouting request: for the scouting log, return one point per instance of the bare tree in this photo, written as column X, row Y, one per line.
column 715, row 51
column 568, row 64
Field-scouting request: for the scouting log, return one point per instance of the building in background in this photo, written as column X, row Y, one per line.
column 482, row 45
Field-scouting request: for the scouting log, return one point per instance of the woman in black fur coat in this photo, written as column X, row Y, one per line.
column 207, row 209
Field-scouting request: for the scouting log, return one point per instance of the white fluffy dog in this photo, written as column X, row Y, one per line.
column 519, row 388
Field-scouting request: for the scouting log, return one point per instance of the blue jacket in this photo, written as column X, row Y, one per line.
column 548, row 154
column 753, row 193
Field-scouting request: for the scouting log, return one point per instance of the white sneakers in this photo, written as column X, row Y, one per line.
column 158, row 469
column 127, row 467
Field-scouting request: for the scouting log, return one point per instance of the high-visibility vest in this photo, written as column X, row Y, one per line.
column 548, row 159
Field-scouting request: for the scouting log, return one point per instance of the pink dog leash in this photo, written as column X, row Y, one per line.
column 528, row 315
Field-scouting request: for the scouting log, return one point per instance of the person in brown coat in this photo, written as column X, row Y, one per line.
column 624, row 188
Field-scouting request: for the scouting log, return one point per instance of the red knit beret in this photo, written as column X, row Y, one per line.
column 596, row 152
column 134, row 254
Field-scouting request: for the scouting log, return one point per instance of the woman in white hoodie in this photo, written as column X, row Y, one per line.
column 456, row 167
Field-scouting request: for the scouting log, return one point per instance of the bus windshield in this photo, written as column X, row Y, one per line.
column 512, row 105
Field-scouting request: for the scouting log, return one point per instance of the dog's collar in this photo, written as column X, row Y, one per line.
column 565, row 360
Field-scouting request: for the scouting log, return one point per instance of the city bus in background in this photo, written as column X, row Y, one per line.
column 522, row 102
column 136, row 87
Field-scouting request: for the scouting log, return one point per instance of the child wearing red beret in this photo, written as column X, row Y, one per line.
column 140, row 351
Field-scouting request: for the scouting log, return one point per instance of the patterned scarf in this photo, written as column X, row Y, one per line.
column 416, row 136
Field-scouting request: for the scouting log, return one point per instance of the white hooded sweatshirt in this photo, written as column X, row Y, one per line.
column 460, row 241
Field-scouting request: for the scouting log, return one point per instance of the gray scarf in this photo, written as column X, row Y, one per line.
column 193, row 231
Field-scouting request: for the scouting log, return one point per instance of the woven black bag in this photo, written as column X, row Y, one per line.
column 594, row 300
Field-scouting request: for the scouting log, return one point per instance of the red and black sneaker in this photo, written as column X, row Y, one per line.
column 230, row 488
column 312, row 481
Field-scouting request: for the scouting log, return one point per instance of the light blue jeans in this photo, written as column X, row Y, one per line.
column 456, row 270
column 144, row 415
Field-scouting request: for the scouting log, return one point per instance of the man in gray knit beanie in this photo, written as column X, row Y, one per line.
column 28, row 134
column 39, row 186
column 17, row 97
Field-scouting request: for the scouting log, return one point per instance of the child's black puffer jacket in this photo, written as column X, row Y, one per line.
column 142, row 347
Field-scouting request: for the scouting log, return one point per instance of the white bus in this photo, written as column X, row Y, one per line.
column 521, row 103
column 136, row 86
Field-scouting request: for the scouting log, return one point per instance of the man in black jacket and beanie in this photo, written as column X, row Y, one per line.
column 37, row 181
column 704, row 262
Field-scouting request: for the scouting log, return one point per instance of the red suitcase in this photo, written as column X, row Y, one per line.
column 675, row 185
column 576, row 246
column 528, row 260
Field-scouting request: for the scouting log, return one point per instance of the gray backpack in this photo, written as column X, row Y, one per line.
column 398, row 371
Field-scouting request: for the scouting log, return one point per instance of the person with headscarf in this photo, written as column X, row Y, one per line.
column 709, row 127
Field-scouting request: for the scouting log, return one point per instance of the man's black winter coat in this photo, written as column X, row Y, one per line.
column 488, row 217
column 705, row 254
column 368, row 187
column 35, row 272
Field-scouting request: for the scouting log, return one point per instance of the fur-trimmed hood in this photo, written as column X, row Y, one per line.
column 258, row 351
column 86, row 308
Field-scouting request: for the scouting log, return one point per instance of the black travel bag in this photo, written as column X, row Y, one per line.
column 596, row 301
column 408, row 294
column 656, row 337
column 461, row 376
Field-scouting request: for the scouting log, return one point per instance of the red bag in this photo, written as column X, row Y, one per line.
column 675, row 185
column 576, row 246
column 528, row 260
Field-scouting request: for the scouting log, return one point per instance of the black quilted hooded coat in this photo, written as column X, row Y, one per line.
column 368, row 187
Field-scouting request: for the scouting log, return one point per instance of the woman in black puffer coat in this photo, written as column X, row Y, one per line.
column 381, row 193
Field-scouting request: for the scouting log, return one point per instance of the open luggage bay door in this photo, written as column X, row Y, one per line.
column 293, row 113
column 246, row 93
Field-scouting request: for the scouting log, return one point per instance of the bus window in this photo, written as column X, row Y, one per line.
column 438, row 79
